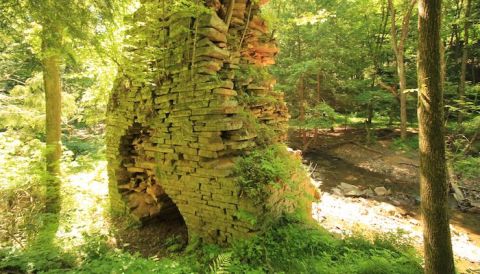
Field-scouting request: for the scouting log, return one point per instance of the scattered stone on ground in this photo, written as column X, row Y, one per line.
column 382, row 191
column 349, row 190
column 346, row 215
column 341, row 157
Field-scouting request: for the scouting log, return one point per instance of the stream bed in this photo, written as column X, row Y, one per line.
column 396, row 212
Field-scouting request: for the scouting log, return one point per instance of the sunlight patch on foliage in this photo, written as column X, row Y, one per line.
column 84, row 206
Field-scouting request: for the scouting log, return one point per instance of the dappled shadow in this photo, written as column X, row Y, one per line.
column 157, row 236
column 42, row 252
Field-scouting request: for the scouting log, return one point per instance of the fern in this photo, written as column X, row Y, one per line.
column 221, row 264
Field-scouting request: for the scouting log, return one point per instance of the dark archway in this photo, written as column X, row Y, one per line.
column 162, row 223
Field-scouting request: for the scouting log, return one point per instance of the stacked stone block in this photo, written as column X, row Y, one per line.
column 181, row 112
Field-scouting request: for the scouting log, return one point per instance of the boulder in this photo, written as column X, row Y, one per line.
column 382, row 191
column 351, row 190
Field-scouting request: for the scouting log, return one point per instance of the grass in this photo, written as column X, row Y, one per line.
column 468, row 167
column 298, row 248
column 410, row 144
column 286, row 248
column 70, row 243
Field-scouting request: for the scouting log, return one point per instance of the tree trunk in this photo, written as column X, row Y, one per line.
column 398, row 48
column 319, row 87
column 463, row 67
column 474, row 80
column 433, row 177
column 403, row 96
column 370, row 112
column 377, row 56
column 301, row 96
column 53, row 89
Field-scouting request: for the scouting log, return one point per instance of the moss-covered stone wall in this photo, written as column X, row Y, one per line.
column 193, row 94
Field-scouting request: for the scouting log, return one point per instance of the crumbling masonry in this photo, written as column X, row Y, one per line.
column 189, row 99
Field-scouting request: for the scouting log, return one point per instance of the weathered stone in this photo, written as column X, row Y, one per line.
column 175, row 124
column 213, row 34
column 381, row 191
column 351, row 190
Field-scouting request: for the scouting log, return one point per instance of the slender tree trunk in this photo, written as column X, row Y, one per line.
column 474, row 80
column 433, row 176
column 403, row 96
column 319, row 87
column 370, row 112
column 301, row 96
column 463, row 66
column 398, row 48
column 53, row 90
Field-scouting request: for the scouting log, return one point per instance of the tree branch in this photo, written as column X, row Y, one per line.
column 228, row 18
column 406, row 23
column 393, row 27
column 390, row 89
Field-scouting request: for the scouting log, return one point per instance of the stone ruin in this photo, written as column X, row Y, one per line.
column 190, row 97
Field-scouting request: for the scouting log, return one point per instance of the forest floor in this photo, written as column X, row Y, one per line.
column 375, row 189
column 84, row 220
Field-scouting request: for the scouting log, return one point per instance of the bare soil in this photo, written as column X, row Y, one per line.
column 155, row 238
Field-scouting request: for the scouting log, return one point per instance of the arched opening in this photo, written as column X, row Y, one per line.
column 162, row 224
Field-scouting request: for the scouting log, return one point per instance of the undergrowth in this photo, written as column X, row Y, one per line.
column 467, row 167
column 260, row 168
column 410, row 144
column 274, row 178
column 286, row 248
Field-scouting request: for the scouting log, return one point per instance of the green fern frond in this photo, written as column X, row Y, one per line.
column 221, row 264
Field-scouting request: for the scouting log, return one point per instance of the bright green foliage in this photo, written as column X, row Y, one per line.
column 339, row 47
column 467, row 167
column 23, row 108
column 472, row 126
column 263, row 167
column 221, row 264
column 295, row 248
column 322, row 116
column 41, row 254
column 287, row 247
column 20, row 187
column 409, row 144
column 381, row 102
column 274, row 177
column 343, row 41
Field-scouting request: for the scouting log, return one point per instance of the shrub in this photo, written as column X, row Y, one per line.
column 468, row 167
column 297, row 248
column 409, row 144
column 273, row 177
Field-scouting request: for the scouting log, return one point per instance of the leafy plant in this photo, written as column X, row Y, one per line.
column 273, row 178
column 260, row 168
column 409, row 144
column 296, row 248
column 221, row 264
column 468, row 167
